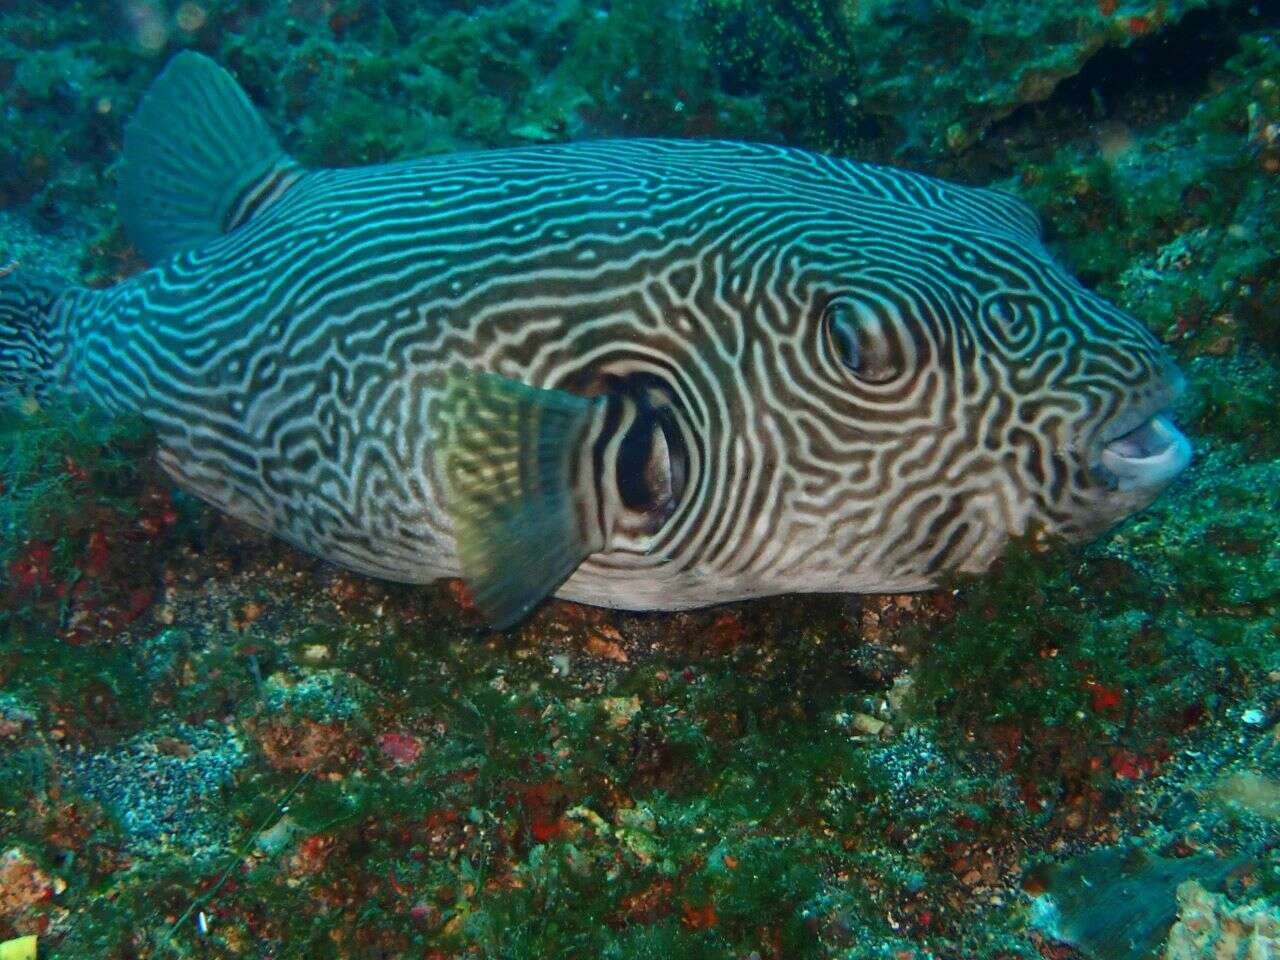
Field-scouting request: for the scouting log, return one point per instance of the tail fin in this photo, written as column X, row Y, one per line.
column 29, row 348
column 198, row 160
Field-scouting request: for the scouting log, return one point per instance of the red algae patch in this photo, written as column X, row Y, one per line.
column 300, row 745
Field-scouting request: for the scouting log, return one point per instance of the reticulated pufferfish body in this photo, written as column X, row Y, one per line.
column 643, row 374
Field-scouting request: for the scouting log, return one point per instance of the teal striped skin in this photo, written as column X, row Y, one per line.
column 823, row 375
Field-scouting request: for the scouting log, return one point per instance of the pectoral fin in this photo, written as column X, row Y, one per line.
column 518, row 461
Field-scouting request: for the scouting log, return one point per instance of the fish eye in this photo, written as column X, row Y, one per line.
column 862, row 342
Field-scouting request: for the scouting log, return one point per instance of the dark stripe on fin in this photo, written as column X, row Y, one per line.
column 522, row 488
column 198, row 160
column 260, row 195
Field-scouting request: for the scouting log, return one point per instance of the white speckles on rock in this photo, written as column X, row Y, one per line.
column 1210, row 926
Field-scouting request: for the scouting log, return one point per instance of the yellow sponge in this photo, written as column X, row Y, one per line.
column 24, row 948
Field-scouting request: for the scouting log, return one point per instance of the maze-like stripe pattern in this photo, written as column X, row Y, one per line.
column 294, row 367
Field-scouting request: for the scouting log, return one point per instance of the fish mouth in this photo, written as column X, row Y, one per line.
column 1147, row 455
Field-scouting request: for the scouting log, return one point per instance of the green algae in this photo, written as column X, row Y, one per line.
column 70, row 475
column 525, row 797
column 1104, row 653
column 837, row 71
column 795, row 58
column 1233, row 399
column 357, row 85
column 366, row 83
column 1178, row 223
column 48, row 451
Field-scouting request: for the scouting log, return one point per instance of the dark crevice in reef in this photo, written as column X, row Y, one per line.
column 1152, row 81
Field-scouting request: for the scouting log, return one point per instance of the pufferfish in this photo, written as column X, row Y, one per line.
column 643, row 374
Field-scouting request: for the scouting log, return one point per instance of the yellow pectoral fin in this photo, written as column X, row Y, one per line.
column 509, row 454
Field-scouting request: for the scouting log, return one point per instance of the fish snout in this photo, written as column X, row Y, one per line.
column 1143, row 449
column 1146, row 457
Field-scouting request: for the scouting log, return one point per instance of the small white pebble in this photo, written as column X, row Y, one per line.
column 865, row 723
column 1253, row 717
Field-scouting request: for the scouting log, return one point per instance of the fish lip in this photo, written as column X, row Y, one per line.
column 1138, row 452
column 1140, row 448
column 1149, row 456
column 1134, row 416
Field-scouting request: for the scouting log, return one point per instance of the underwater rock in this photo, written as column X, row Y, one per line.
column 156, row 785
column 1178, row 221
column 1116, row 903
column 937, row 74
column 1210, row 928
column 980, row 62
column 349, row 83
column 1249, row 791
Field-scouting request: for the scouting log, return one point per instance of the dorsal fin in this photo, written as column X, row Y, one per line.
column 198, row 160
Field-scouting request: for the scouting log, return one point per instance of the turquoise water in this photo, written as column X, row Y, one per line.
column 244, row 715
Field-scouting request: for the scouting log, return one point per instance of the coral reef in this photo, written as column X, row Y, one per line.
column 211, row 745
column 1177, row 222
column 921, row 79
column 345, row 84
